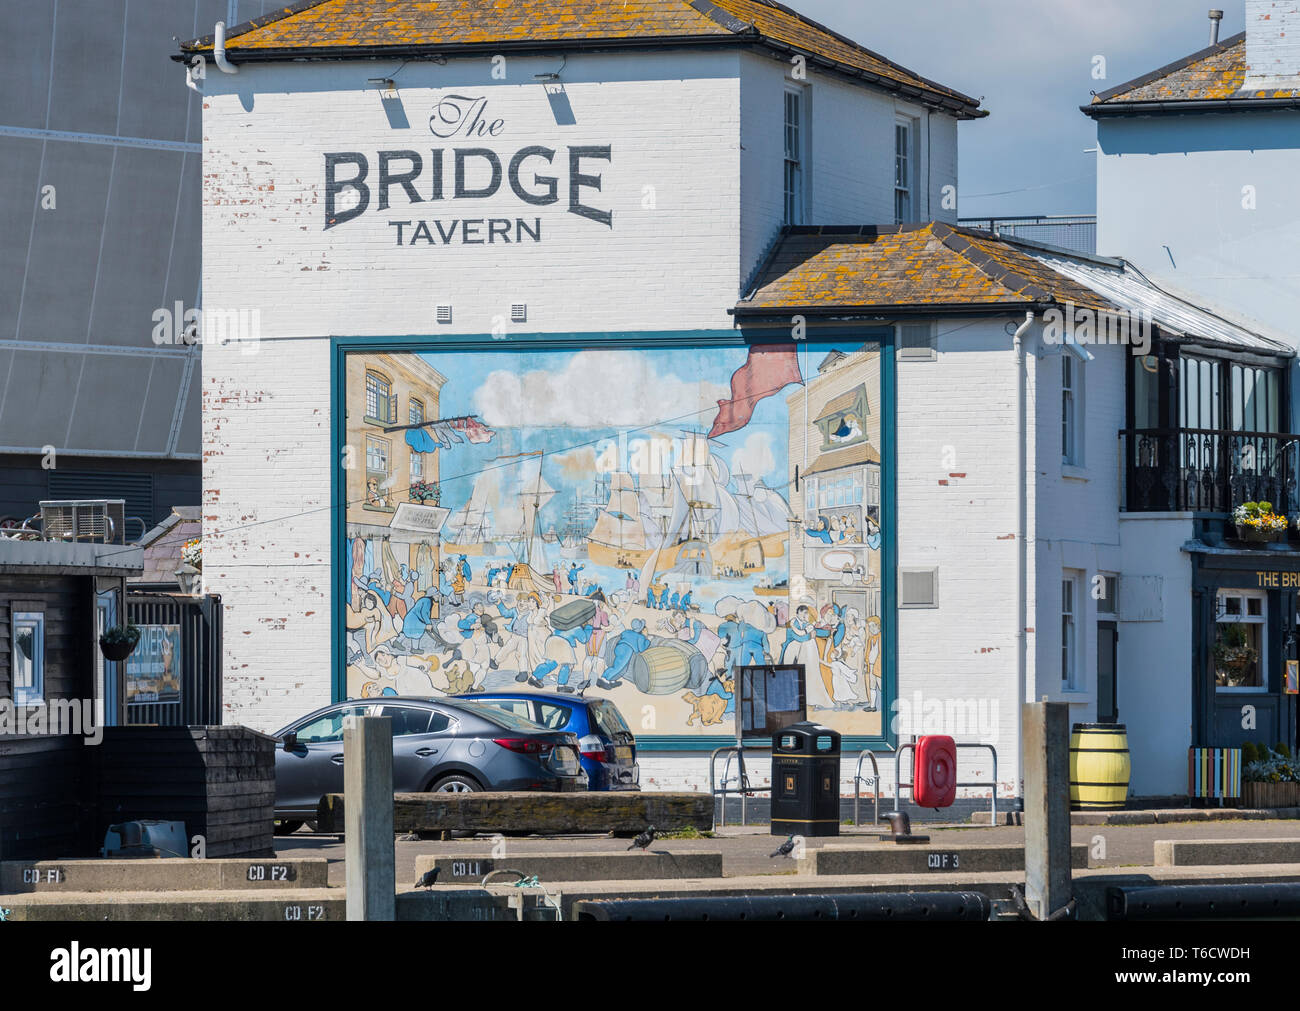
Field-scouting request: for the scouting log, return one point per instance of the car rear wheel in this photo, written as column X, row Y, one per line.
column 456, row 784
column 287, row 827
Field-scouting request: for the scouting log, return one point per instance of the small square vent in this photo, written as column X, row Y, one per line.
column 444, row 314
column 918, row 588
column 518, row 313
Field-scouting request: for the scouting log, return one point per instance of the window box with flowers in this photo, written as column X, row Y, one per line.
column 1257, row 523
column 425, row 492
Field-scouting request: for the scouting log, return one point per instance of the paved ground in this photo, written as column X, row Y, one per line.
column 745, row 850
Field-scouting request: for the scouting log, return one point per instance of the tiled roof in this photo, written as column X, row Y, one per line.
column 904, row 266
column 854, row 456
column 162, row 545
column 333, row 28
column 1216, row 74
column 891, row 270
column 838, row 405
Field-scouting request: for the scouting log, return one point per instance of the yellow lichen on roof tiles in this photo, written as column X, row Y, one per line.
column 343, row 23
column 930, row 265
column 1221, row 74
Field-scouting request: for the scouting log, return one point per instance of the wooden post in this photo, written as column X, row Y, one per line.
column 1046, row 758
column 369, row 845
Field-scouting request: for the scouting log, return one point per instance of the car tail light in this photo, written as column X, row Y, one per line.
column 523, row 745
column 592, row 746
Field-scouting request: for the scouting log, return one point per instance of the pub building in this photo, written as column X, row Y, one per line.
column 661, row 316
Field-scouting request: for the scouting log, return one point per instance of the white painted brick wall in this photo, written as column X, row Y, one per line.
column 1272, row 43
column 677, row 123
column 851, row 176
column 957, row 512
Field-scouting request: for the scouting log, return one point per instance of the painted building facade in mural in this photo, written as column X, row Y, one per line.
column 626, row 522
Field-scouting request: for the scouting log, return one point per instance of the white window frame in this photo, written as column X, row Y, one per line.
column 1072, row 613
column 381, row 445
column 385, row 399
column 794, row 199
column 1072, row 413
column 905, row 181
column 1221, row 617
column 33, row 694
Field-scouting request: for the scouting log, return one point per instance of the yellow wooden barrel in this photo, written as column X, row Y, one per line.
column 1099, row 767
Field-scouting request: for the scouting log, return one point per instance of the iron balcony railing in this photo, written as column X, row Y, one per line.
column 1208, row 470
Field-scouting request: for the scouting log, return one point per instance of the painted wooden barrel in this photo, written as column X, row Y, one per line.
column 1099, row 767
column 662, row 670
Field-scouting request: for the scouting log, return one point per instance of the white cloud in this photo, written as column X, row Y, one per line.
column 596, row 389
column 755, row 457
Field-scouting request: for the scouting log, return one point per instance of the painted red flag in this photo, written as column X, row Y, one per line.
column 767, row 370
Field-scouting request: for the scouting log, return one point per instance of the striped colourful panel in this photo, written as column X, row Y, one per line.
column 1214, row 772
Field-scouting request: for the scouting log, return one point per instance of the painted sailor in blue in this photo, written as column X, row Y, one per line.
column 822, row 533
column 631, row 642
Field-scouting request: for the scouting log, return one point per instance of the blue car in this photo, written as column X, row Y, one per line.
column 608, row 747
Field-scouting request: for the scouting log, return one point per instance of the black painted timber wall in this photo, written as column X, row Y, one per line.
column 43, row 785
column 220, row 781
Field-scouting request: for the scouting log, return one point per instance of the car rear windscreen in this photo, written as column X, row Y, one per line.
column 500, row 716
column 609, row 720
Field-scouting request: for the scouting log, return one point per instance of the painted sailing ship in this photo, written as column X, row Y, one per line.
column 470, row 527
column 691, row 521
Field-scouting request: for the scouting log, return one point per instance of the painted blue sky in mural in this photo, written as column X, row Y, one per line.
column 590, row 412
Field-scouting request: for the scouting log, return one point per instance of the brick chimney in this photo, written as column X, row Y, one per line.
column 1272, row 44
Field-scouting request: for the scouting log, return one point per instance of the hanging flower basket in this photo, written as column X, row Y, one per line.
column 119, row 642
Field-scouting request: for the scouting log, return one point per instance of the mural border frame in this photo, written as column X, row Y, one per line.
column 341, row 346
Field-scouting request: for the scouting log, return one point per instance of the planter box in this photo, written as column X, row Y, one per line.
column 1256, row 795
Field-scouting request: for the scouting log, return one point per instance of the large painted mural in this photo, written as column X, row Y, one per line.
column 630, row 523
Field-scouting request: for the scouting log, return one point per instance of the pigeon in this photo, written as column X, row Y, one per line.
column 643, row 841
column 784, row 850
column 429, row 878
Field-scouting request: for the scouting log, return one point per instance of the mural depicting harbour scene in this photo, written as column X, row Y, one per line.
column 629, row 523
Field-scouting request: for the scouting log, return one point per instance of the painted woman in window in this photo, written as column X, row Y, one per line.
column 848, row 430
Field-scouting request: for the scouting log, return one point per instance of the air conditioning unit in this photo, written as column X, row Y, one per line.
column 101, row 521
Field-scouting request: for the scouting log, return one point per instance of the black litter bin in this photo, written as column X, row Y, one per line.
column 806, row 780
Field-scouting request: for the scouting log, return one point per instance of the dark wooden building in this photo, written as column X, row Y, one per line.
column 56, row 689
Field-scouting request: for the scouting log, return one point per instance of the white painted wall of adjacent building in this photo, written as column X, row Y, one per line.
column 1207, row 203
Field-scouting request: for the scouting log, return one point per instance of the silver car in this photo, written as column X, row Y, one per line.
column 438, row 745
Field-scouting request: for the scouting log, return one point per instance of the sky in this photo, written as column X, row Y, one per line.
column 578, row 423
column 1031, row 61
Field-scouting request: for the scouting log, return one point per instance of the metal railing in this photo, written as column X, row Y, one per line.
column 858, row 780
column 911, row 784
column 1068, row 231
column 744, row 789
column 1208, row 470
